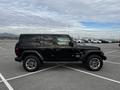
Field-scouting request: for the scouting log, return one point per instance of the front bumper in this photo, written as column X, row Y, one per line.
column 104, row 57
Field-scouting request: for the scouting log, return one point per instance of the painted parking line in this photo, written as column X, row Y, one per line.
column 95, row 75
column 111, row 51
column 28, row 74
column 20, row 76
column 112, row 62
column 5, row 82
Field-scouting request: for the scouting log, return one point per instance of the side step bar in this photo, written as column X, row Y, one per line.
column 61, row 62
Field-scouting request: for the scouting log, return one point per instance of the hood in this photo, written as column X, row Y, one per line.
column 88, row 47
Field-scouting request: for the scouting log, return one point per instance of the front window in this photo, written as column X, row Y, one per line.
column 63, row 41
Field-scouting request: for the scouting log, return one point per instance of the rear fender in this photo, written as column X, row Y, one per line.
column 28, row 52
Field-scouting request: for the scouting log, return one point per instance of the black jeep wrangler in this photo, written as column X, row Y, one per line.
column 36, row 49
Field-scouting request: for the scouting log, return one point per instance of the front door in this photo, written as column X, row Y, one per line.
column 64, row 51
column 67, row 54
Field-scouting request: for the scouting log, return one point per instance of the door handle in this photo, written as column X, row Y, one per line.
column 58, row 49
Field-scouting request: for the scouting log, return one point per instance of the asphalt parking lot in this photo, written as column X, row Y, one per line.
column 60, row 77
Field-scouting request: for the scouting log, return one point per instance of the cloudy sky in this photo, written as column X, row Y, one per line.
column 80, row 18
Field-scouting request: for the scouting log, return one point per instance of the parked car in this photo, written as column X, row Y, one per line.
column 80, row 41
column 95, row 41
column 33, row 50
column 104, row 41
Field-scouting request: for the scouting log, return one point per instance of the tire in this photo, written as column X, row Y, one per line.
column 31, row 63
column 94, row 63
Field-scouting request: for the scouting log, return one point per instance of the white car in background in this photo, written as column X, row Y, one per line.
column 95, row 41
column 80, row 41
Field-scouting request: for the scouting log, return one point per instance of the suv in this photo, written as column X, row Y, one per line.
column 36, row 49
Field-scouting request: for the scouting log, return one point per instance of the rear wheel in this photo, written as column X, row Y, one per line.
column 31, row 63
column 94, row 63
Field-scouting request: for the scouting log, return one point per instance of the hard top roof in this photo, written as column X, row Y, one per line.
column 44, row 34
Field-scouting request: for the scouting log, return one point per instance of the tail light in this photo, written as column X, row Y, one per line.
column 17, row 51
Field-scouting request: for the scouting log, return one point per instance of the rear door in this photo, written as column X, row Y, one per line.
column 47, row 47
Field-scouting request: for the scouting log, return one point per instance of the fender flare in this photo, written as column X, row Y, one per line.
column 97, row 52
column 32, row 52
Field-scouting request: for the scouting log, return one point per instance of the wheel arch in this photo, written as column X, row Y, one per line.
column 32, row 52
column 89, row 53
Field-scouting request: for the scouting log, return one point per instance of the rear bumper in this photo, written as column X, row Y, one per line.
column 18, row 59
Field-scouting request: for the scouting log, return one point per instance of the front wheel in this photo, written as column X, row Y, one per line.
column 94, row 63
column 31, row 63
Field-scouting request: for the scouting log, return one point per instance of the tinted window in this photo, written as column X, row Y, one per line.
column 47, row 40
column 29, row 38
column 63, row 40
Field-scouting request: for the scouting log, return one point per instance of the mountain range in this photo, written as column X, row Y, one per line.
column 8, row 36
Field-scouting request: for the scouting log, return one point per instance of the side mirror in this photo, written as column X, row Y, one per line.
column 71, row 43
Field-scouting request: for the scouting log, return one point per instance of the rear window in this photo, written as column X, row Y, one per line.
column 29, row 38
column 47, row 40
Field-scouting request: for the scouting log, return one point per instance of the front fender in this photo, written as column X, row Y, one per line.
column 93, row 52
